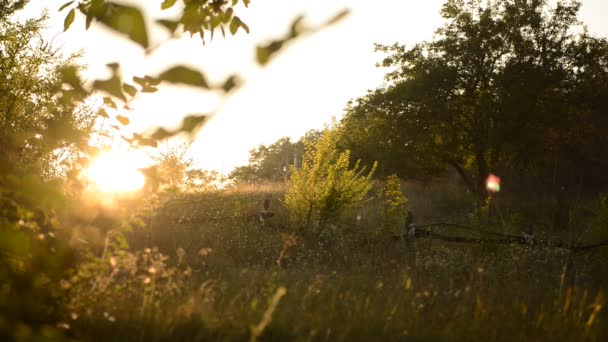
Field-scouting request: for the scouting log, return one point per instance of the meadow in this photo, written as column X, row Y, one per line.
column 203, row 267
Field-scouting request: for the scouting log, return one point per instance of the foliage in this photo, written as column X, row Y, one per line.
column 503, row 87
column 395, row 205
column 325, row 185
column 272, row 163
column 41, row 138
column 197, row 17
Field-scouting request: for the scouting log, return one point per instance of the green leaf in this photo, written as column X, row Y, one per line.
column 192, row 122
column 185, row 75
column 111, row 86
column 129, row 89
column 65, row 5
column 127, row 20
column 230, row 83
column 88, row 21
column 123, row 120
column 167, row 4
column 245, row 27
column 234, row 25
column 170, row 25
column 227, row 15
column 69, row 19
column 264, row 53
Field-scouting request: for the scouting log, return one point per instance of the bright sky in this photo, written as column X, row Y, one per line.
column 301, row 89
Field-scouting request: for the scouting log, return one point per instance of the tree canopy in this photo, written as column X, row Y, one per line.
column 504, row 86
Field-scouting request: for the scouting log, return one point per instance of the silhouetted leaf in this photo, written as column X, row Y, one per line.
column 234, row 25
column 103, row 113
column 65, row 5
column 123, row 120
column 111, row 86
column 230, row 83
column 264, row 53
column 147, row 142
column 170, row 25
column 192, row 122
column 127, row 20
column 129, row 89
column 161, row 134
column 227, row 15
column 69, row 19
column 109, row 102
column 338, row 17
column 167, row 4
column 184, row 75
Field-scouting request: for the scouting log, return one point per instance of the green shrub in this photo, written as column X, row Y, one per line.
column 325, row 185
column 395, row 206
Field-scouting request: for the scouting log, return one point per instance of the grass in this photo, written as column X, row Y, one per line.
column 219, row 275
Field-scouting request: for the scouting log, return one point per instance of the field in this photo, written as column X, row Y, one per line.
column 203, row 267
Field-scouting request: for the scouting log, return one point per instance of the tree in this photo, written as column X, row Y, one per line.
column 38, row 130
column 500, row 87
column 325, row 184
column 8, row 7
column 272, row 163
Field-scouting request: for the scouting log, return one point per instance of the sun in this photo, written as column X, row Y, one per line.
column 115, row 172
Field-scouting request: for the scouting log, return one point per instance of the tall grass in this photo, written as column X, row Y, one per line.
column 220, row 275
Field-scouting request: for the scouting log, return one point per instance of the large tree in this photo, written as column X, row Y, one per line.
column 511, row 84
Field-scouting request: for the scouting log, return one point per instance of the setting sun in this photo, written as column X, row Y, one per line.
column 114, row 172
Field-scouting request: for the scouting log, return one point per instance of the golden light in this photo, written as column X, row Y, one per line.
column 115, row 172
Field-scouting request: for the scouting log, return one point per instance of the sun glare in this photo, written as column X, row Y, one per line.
column 115, row 172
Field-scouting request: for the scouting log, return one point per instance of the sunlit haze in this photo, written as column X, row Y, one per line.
column 307, row 84
column 115, row 171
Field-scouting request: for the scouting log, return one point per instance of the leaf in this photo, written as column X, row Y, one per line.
column 192, row 122
column 230, row 83
column 167, row 4
column 65, row 5
column 88, row 21
column 245, row 27
column 109, row 102
column 123, row 120
column 227, row 15
column 127, row 20
column 111, row 86
column 147, row 142
column 170, row 25
column 69, row 19
column 264, row 53
column 184, row 75
column 129, row 89
column 338, row 17
column 234, row 25
column 161, row 134
column 103, row 113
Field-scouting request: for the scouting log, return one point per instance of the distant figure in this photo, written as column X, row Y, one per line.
column 265, row 213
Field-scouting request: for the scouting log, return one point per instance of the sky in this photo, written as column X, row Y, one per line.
column 306, row 85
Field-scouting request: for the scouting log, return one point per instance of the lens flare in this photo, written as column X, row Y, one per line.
column 115, row 172
column 493, row 183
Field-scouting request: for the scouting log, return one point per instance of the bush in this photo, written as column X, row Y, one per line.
column 324, row 185
column 395, row 205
